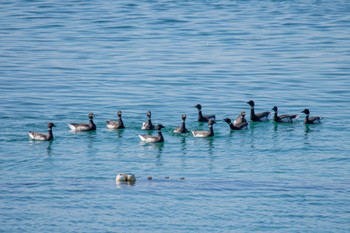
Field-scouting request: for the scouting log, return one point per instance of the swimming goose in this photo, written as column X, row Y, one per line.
column 311, row 120
column 151, row 138
column 41, row 136
column 285, row 118
column 116, row 124
column 263, row 116
column 148, row 125
column 202, row 118
column 83, row 126
column 202, row 134
column 240, row 119
column 182, row 128
column 242, row 125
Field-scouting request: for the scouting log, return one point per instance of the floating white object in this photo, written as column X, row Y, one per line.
column 131, row 178
column 123, row 177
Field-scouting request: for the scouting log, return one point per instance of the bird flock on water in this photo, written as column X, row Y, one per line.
column 238, row 124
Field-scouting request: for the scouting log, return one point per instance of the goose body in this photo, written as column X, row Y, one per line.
column 154, row 139
column 201, row 117
column 116, row 124
column 257, row 117
column 182, row 128
column 240, row 126
column 203, row 134
column 240, row 119
column 83, row 126
column 311, row 120
column 42, row 136
column 285, row 118
column 148, row 124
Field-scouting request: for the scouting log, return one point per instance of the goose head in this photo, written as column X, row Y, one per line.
column 149, row 114
column 227, row 120
column 198, row 106
column 159, row 127
column 251, row 103
column 91, row 115
column 306, row 111
column 211, row 122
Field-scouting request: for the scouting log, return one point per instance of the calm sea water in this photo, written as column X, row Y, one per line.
column 60, row 60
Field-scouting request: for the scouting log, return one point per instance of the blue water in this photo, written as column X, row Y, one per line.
column 60, row 60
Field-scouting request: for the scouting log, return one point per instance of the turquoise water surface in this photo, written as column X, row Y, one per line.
column 61, row 60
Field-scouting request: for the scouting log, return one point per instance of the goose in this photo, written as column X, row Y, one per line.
column 83, row 126
column 285, row 118
column 154, row 139
column 202, row 118
column 182, row 128
column 42, row 136
column 242, row 125
column 311, row 120
column 202, row 134
column 148, row 125
column 116, row 124
column 258, row 117
column 240, row 119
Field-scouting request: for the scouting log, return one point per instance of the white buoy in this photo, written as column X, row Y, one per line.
column 131, row 177
column 121, row 178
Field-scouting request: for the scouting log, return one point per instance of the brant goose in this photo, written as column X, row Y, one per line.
column 41, row 136
column 285, row 118
column 182, row 128
column 203, row 134
column 150, row 138
column 202, row 118
column 263, row 116
column 116, row 124
column 83, row 126
column 148, row 125
column 242, row 125
column 311, row 120
column 240, row 119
